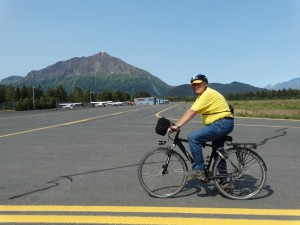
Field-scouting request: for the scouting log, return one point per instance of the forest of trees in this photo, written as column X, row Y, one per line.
column 259, row 95
column 266, row 94
column 26, row 98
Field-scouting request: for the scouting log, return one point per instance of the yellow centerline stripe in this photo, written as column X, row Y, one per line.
column 157, row 114
column 70, row 123
column 136, row 220
column 149, row 209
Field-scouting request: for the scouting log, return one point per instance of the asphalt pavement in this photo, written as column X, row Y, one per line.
column 89, row 157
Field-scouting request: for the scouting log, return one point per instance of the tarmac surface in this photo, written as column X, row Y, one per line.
column 89, row 157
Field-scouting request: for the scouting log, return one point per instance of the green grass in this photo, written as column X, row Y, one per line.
column 275, row 109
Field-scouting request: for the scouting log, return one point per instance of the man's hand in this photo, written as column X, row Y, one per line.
column 173, row 128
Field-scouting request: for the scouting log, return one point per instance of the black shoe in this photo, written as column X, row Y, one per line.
column 199, row 174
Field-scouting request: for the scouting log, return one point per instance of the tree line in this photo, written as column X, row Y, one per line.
column 258, row 95
column 25, row 98
column 266, row 94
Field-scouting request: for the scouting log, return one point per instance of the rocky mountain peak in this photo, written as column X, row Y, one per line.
column 96, row 72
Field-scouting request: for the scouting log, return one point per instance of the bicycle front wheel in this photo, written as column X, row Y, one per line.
column 162, row 173
column 242, row 176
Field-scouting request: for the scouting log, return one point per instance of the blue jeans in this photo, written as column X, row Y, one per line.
column 214, row 133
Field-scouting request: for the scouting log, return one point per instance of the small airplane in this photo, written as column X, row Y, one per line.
column 101, row 104
column 118, row 103
column 70, row 105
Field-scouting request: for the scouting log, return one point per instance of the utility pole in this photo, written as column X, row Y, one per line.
column 33, row 97
column 90, row 98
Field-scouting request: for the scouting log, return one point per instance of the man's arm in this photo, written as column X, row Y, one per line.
column 186, row 117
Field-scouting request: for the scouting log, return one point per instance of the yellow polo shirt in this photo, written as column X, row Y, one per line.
column 212, row 106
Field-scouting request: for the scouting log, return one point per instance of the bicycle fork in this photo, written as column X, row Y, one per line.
column 165, row 166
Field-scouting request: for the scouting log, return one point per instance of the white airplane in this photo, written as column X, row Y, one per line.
column 118, row 103
column 70, row 105
column 107, row 103
column 101, row 104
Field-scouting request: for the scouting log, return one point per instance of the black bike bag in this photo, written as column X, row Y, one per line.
column 162, row 126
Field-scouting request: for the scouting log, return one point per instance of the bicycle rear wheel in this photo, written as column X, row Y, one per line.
column 242, row 176
column 162, row 173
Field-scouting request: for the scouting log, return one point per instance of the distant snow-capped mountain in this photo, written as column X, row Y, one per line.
column 291, row 84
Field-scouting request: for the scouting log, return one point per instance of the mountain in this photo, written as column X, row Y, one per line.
column 11, row 79
column 95, row 73
column 291, row 84
column 234, row 87
column 225, row 89
column 104, row 72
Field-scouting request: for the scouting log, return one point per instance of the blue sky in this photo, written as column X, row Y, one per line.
column 256, row 42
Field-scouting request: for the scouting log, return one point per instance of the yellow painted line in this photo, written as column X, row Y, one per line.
column 136, row 220
column 69, row 123
column 157, row 114
column 141, row 209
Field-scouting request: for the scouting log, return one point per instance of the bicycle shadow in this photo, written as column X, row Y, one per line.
column 195, row 187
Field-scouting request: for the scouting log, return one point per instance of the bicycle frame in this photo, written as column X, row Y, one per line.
column 237, row 171
column 178, row 141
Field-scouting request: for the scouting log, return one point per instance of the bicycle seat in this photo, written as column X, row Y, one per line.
column 228, row 138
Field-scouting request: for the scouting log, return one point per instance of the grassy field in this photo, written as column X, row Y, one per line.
column 275, row 109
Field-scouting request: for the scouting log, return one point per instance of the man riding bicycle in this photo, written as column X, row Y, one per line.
column 216, row 116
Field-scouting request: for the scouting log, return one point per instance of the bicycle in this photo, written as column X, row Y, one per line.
column 163, row 172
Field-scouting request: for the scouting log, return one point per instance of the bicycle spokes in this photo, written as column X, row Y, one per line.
column 162, row 173
column 244, row 172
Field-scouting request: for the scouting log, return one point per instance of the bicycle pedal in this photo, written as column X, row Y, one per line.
column 162, row 142
column 204, row 181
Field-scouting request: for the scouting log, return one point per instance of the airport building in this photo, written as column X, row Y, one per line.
column 149, row 101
